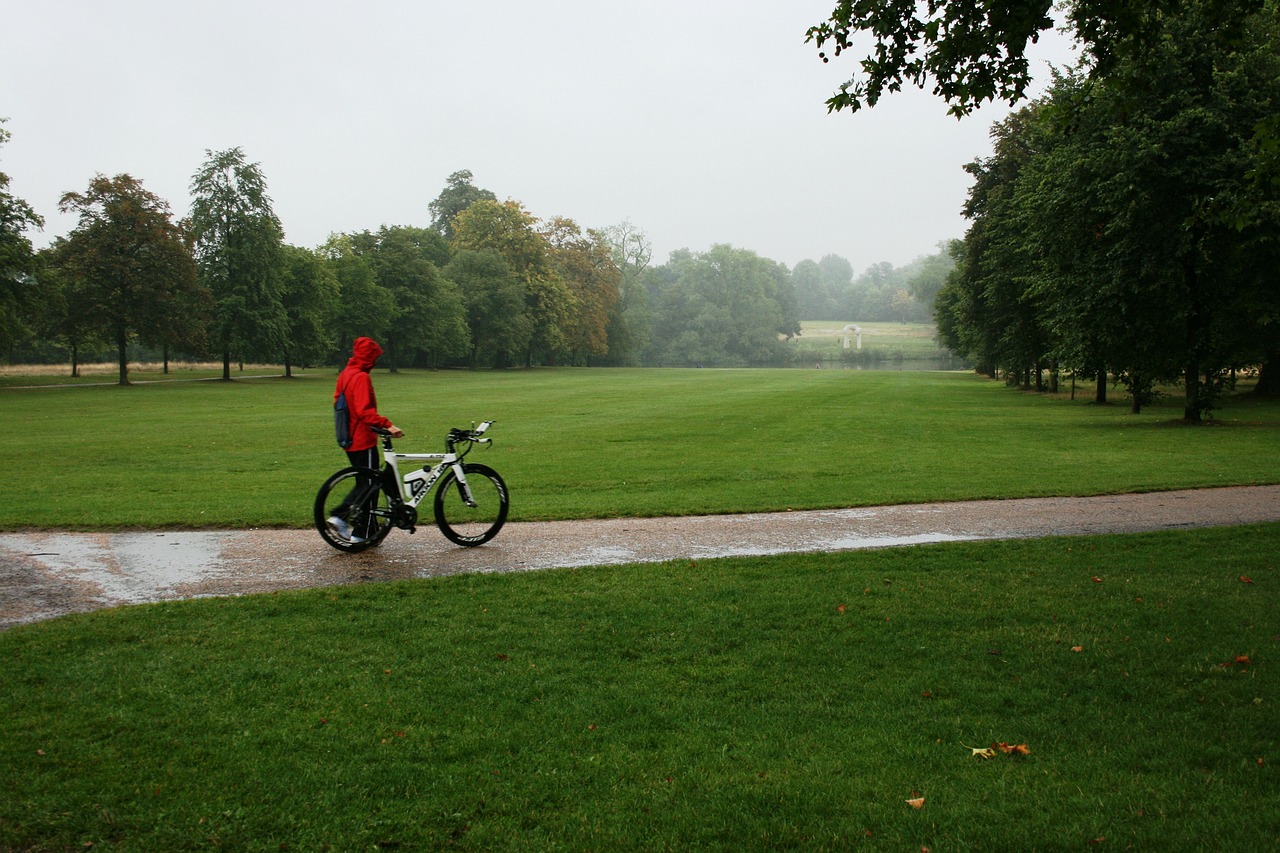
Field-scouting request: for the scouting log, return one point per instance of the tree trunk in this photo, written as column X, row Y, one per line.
column 122, row 347
column 226, row 365
column 75, row 361
column 1197, row 333
column 1100, row 397
column 1268, row 381
column 1193, row 406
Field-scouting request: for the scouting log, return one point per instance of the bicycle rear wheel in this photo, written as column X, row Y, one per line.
column 354, row 497
column 477, row 522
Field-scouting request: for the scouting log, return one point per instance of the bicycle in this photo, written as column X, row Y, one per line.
column 356, row 508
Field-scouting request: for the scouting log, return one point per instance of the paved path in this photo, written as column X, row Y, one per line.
column 43, row 575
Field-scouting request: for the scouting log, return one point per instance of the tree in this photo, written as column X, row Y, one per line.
column 429, row 319
column 310, row 294
column 629, row 319
column 509, row 229
column 1003, row 328
column 823, row 290
column 65, row 314
column 493, row 296
column 814, row 304
column 974, row 51
column 931, row 276
column 238, row 242
column 720, row 307
column 458, row 194
column 902, row 302
column 585, row 263
column 17, row 287
column 130, row 262
column 364, row 307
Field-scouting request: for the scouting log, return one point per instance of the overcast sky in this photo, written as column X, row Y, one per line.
column 700, row 121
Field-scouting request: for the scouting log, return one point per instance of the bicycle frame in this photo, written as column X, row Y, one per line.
column 414, row 486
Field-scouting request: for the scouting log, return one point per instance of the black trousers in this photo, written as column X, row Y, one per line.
column 371, row 458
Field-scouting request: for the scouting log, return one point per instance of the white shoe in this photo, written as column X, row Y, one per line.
column 340, row 527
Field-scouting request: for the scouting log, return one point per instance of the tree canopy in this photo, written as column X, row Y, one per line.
column 975, row 51
column 1106, row 228
column 458, row 194
column 238, row 240
column 17, row 288
column 130, row 264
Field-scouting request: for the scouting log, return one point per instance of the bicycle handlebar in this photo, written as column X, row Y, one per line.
column 455, row 435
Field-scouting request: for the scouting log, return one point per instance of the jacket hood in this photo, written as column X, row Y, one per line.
column 364, row 353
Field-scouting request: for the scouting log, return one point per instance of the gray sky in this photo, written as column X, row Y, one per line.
column 700, row 121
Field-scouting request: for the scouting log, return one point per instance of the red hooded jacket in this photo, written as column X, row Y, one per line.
column 362, row 405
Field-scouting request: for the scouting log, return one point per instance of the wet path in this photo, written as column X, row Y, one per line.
column 43, row 575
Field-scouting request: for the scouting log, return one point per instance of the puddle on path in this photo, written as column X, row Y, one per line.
column 126, row 568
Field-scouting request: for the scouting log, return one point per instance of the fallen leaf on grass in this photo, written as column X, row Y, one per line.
column 1077, row 648
column 1097, row 579
column 1245, row 579
column 1012, row 749
column 916, row 803
column 982, row 753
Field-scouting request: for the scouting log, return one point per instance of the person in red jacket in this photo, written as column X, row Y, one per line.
column 362, row 413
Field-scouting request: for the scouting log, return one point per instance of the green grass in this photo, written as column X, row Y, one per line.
column 791, row 702
column 607, row 443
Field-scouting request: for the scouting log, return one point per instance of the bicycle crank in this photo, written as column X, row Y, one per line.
column 404, row 517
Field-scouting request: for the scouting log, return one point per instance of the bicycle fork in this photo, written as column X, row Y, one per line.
column 464, row 490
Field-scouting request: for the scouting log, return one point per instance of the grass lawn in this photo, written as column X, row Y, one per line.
column 791, row 702
column 608, row 443
column 794, row 702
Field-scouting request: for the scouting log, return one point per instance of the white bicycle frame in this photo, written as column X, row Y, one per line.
column 417, row 484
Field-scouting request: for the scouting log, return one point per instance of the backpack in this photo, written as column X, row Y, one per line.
column 341, row 421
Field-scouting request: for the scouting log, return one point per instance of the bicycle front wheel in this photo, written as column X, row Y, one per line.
column 351, row 511
column 477, row 521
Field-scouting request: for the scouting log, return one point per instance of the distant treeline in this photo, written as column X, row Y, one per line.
column 485, row 284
